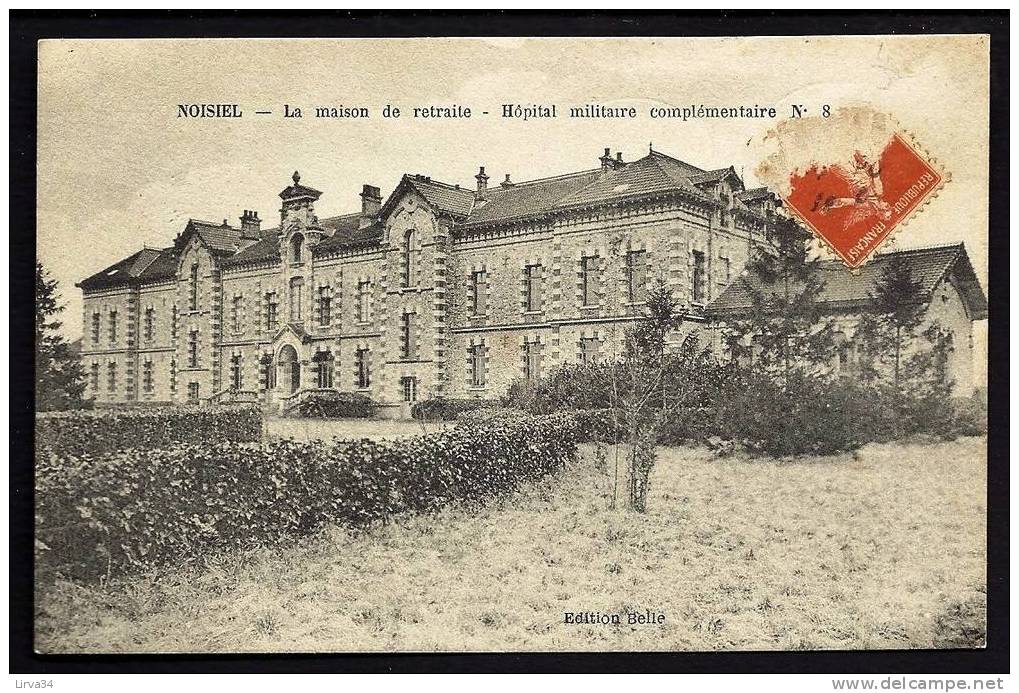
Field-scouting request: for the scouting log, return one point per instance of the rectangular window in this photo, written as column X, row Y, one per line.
column 726, row 270
column 236, row 372
column 113, row 326
column 93, row 378
column 364, row 380
column 324, row 370
column 325, row 305
column 193, row 288
column 193, row 349
column 111, row 375
column 193, row 393
column 296, row 299
column 478, row 293
column 147, row 376
column 409, row 385
column 268, row 379
column 697, row 290
column 589, row 280
column 532, row 288
column 363, row 292
column 407, row 336
column 271, row 312
column 589, row 347
column 636, row 276
column 532, row 360
column 236, row 313
column 477, row 359
column 95, row 327
column 173, row 321
column 173, row 375
column 150, row 324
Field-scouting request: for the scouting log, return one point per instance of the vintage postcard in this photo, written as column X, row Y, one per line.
column 512, row 345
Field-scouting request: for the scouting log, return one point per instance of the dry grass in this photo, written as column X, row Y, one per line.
column 884, row 550
column 323, row 429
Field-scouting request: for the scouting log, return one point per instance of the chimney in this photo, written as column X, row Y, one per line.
column 371, row 204
column 250, row 224
column 507, row 183
column 619, row 160
column 606, row 160
column 482, row 183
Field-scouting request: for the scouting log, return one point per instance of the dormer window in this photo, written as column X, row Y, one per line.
column 297, row 249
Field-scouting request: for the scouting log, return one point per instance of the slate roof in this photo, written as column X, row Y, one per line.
column 652, row 174
column 844, row 289
column 298, row 190
column 220, row 238
column 148, row 264
column 345, row 233
column 529, row 198
column 711, row 176
column 264, row 250
column 445, row 197
column 655, row 173
column 753, row 194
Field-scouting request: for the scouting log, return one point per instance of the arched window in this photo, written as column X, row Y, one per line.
column 408, row 258
column 290, row 368
column 323, row 362
column 297, row 248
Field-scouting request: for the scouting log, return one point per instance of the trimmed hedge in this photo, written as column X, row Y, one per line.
column 101, row 431
column 146, row 508
column 488, row 415
column 449, row 409
column 336, row 405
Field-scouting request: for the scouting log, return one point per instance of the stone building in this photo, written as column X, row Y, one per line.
column 949, row 288
column 438, row 290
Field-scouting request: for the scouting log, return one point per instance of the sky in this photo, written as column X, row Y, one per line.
column 118, row 170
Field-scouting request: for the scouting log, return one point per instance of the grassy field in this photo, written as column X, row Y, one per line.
column 323, row 429
column 882, row 550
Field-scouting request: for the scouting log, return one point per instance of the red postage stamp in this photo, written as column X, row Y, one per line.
column 866, row 180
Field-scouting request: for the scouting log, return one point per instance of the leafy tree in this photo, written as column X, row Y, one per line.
column 785, row 319
column 59, row 379
column 897, row 311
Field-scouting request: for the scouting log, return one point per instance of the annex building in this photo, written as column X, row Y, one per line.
column 437, row 290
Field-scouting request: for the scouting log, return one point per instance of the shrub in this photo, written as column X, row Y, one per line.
column 143, row 508
column 598, row 426
column 100, row 431
column 448, row 409
column 487, row 415
column 336, row 405
column 970, row 417
column 569, row 387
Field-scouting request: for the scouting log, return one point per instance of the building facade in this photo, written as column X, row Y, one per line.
column 438, row 290
column 950, row 292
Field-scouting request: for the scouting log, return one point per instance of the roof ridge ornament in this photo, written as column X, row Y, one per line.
column 296, row 177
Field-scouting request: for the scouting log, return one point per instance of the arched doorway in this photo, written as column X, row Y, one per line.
column 290, row 368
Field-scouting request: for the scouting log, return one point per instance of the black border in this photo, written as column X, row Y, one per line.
column 26, row 27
